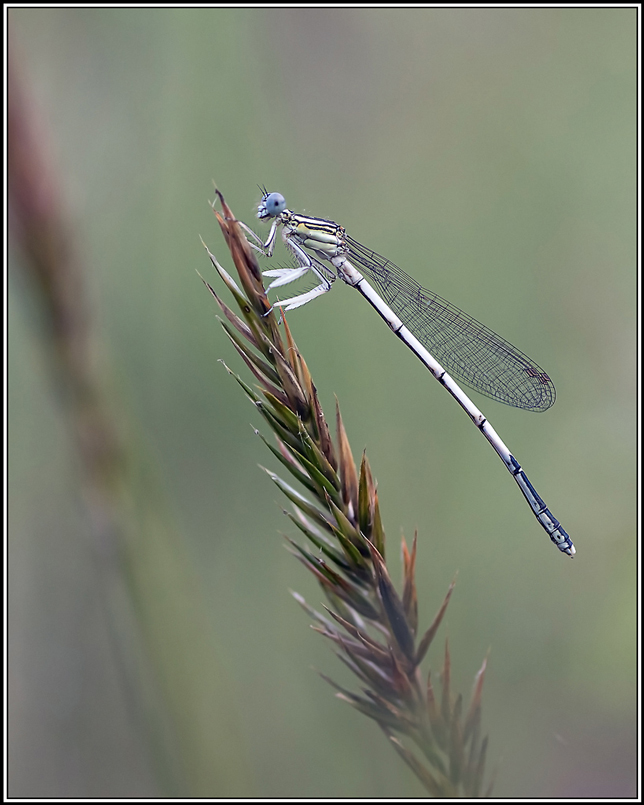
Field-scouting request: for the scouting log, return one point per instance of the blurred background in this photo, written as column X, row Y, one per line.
column 491, row 153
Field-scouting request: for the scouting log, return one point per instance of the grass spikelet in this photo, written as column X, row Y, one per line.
column 372, row 627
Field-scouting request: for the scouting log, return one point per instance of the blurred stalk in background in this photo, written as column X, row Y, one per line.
column 374, row 629
column 160, row 633
column 497, row 162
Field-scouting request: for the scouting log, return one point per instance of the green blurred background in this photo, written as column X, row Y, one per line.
column 491, row 154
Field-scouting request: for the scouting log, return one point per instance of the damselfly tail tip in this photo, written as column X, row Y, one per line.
column 567, row 547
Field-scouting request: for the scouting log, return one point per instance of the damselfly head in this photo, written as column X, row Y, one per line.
column 271, row 205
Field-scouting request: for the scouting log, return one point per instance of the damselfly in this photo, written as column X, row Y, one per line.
column 436, row 331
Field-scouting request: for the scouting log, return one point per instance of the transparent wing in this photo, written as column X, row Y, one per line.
column 467, row 349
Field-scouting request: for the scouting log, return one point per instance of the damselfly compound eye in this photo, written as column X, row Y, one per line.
column 271, row 206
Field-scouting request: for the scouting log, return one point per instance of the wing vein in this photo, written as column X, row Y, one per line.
column 467, row 349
